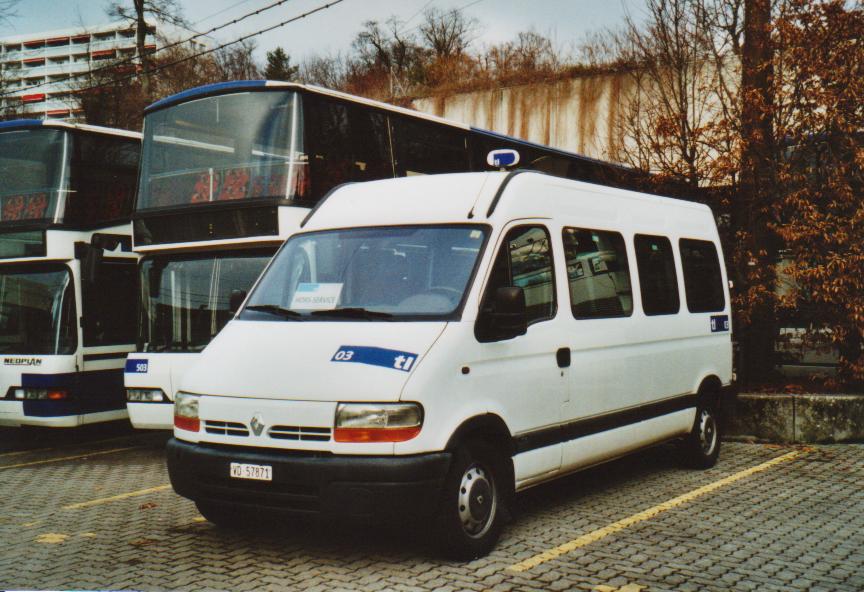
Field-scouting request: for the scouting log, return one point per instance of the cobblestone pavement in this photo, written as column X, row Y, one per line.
column 797, row 524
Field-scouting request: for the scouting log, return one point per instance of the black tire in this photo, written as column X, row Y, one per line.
column 472, row 503
column 225, row 516
column 701, row 448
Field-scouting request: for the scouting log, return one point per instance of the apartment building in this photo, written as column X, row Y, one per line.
column 35, row 68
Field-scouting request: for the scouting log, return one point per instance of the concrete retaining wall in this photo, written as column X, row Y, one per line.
column 810, row 418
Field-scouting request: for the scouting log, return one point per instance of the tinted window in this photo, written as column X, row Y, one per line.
column 423, row 148
column 703, row 282
column 348, row 143
column 525, row 261
column 109, row 304
column 598, row 273
column 104, row 173
column 657, row 280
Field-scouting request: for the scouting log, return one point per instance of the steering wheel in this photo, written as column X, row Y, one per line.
column 450, row 293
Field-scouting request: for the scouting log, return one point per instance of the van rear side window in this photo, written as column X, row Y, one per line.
column 598, row 273
column 703, row 282
column 657, row 279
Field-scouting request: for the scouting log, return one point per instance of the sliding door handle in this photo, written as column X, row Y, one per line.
column 562, row 356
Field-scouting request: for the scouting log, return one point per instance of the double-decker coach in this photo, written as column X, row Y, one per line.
column 68, row 276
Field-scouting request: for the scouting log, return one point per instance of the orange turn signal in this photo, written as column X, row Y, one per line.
column 375, row 434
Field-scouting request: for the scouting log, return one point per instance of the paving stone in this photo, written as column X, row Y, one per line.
column 798, row 525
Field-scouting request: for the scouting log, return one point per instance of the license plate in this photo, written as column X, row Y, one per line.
column 256, row 472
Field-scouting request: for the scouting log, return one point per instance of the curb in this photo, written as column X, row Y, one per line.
column 800, row 418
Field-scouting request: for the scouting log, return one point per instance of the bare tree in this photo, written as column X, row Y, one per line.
column 329, row 71
column 165, row 11
column 237, row 62
column 385, row 54
column 448, row 33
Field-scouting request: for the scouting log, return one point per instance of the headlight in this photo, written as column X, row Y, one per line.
column 39, row 394
column 377, row 422
column 186, row 412
column 138, row 395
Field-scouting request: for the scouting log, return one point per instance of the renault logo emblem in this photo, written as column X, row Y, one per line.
column 256, row 424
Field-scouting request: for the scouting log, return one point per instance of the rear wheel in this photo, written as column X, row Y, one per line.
column 472, row 503
column 701, row 447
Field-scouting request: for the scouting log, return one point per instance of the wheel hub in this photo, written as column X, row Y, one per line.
column 707, row 432
column 477, row 503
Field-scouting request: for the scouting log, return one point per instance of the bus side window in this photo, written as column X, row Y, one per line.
column 372, row 158
column 525, row 261
column 104, row 174
column 657, row 280
column 421, row 148
column 109, row 304
column 329, row 139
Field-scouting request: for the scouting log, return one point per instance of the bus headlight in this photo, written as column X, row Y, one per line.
column 139, row 395
column 186, row 412
column 40, row 394
column 377, row 422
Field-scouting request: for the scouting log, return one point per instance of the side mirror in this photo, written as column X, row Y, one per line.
column 235, row 300
column 91, row 259
column 507, row 317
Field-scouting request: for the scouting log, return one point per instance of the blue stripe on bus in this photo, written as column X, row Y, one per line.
column 207, row 89
column 89, row 392
column 22, row 123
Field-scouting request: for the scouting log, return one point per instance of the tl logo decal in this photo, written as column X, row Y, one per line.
column 256, row 424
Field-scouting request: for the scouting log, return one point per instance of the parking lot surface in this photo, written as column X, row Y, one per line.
column 95, row 511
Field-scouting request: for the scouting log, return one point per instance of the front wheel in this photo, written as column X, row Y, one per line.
column 470, row 514
column 701, row 447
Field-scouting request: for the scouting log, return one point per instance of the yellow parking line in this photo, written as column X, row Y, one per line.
column 601, row 533
column 114, row 498
column 62, row 458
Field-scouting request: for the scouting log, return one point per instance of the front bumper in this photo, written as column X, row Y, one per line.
column 151, row 416
column 364, row 488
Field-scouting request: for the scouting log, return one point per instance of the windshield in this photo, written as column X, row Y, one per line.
column 417, row 272
column 34, row 165
column 185, row 301
column 37, row 310
column 229, row 147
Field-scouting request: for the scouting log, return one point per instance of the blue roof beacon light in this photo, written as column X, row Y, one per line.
column 503, row 158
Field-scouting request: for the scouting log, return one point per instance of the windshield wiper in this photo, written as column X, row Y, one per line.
column 274, row 309
column 353, row 313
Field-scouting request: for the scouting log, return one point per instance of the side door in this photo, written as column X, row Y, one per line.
column 606, row 377
column 521, row 375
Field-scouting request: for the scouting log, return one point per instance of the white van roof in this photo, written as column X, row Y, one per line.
column 500, row 197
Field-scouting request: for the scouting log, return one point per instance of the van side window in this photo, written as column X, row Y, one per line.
column 598, row 274
column 525, row 261
column 657, row 279
column 703, row 282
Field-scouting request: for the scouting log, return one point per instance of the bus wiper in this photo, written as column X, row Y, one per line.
column 285, row 313
column 353, row 313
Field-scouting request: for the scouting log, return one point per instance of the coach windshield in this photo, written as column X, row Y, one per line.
column 240, row 146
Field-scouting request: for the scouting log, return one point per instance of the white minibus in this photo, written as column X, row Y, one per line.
column 426, row 347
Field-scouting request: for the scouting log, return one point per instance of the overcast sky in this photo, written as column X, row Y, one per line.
column 566, row 21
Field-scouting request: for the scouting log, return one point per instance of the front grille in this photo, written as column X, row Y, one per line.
column 225, row 428
column 302, row 433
